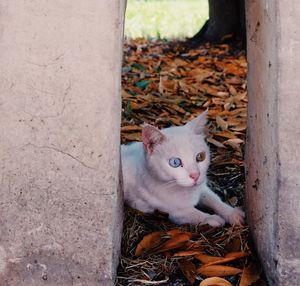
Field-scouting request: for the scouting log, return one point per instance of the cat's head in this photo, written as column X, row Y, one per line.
column 178, row 154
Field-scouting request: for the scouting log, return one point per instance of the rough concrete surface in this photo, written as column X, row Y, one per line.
column 273, row 143
column 60, row 208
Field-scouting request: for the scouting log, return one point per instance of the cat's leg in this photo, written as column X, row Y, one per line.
column 141, row 205
column 133, row 199
column 210, row 199
column 194, row 216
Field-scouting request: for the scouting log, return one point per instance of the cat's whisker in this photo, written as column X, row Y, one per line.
column 168, row 184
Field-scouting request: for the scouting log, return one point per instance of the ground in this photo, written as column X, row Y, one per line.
column 165, row 85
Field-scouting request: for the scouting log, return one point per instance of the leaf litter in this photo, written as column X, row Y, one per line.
column 165, row 85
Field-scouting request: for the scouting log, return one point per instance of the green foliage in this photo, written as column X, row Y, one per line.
column 164, row 18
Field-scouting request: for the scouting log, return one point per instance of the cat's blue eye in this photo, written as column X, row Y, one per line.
column 175, row 162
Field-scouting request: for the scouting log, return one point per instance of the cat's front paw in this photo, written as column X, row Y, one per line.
column 214, row 220
column 236, row 217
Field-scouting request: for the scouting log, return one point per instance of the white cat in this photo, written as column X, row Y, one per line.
column 167, row 171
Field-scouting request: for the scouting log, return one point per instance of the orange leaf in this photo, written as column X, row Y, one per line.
column 176, row 241
column 228, row 257
column 130, row 128
column 250, row 274
column 173, row 231
column 148, row 242
column 205, row 259
column 218, row 270
column 200, row 74
column 215, row 281
column 187, row 253
column 225, row 134
column 236, row 254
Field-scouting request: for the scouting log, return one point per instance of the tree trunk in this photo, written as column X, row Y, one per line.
column 226, row 22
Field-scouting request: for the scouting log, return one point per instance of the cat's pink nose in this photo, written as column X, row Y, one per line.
column 194, row 176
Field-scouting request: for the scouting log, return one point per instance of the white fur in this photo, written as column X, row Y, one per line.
column 151, row 183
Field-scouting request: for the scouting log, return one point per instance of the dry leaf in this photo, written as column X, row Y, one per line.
column 132, row 136
column 228, row 257
column 236, row 254
column 225, row 134
column 188, row 269
column 148, row 242
column 215, row 142
column 234, row 143
column 215, row 281
column 176, row 241
column 221, row 123
column 218, row 270
column 251, row 274
column 187, row 253
column 205, row 259
column 131, row 128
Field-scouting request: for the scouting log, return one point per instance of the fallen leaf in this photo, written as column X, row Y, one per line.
column 228, row 257
column 225, row 134
column 205, row 259
column 221, row 123
column 176, row 241
column 218, row 270
column 215, row 281
column 131, row 128
column 173, row 231
column 148, row 242
column 251, row 274
column 188, row 269
column 187, row 253
column 236, row 254
column 132, row 136
column 234, row 143
column 215, row 142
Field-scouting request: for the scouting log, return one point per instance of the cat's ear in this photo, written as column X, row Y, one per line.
column 151, row 136
column 197, row 125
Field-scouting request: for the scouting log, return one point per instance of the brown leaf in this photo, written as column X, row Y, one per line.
column 225, row 134
column 218, row 270
column 187, row 253
column 215, row 281
column 216, row 143
column 236, row 254
column 174, row 231
column 166, row 85
column 221, row 123
column 234, row 143
column 131, row 128
column 251, row 274
column 200, row 74
column 148, row 242
column 205, row 259
column 136, row 136
column 232, row 90
column 228, row 257
column 176, row 241
column 188, row 269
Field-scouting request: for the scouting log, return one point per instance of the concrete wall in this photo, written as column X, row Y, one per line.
column 60, row 208
column 273, row 143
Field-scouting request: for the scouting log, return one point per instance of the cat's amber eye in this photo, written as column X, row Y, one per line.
column 200, row 157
